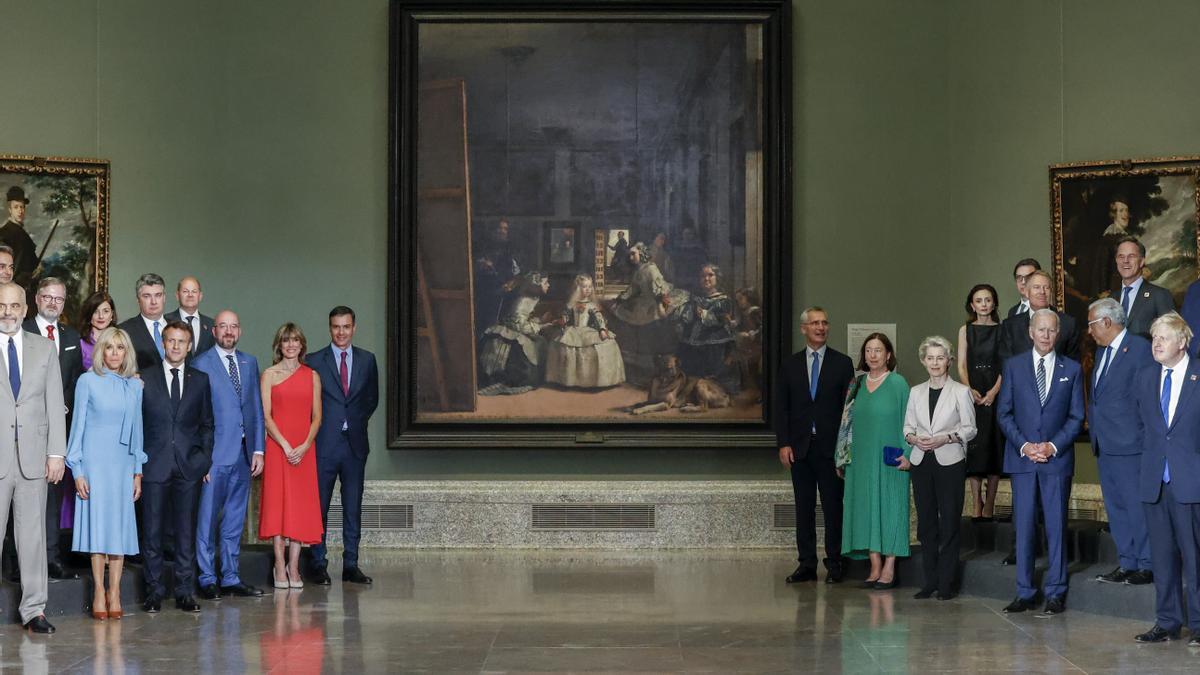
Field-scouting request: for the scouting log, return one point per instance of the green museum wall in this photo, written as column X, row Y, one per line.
column 248, row 143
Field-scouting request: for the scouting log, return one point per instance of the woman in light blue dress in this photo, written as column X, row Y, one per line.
column 105, row 455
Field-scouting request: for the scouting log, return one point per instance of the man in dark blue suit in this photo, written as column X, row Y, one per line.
column 1041, row 412
column 349, row 395
column 811, row 390
column 1116, row 433
column 1170, row 476
column 177, row 421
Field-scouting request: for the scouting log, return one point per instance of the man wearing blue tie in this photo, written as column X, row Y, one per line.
column 237, row 455
column 1142, row 301
column 145, row 329
column 1116, row 435
column 1041, row 412
column 1170, row 476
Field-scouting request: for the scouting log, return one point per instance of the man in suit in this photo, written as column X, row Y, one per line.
column 177, row 421
column 1041, row 412
column 1170, row 477
column 1015, row 330
column 1142, row 301
column 1116, row 435
column 1021, row 272
column 7, row 266
column 13, row 235
column 349, row 395
column 189, row 295
column 51, row 297
column 811, row 390
column 145, row 329
column 237, row 456
column 33, row 452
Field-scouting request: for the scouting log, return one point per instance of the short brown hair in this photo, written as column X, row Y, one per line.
column 887, row 344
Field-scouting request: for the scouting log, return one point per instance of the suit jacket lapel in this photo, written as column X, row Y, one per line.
column 940, row 407
column 358, row 370
column 1190, row 382
column 332, row 361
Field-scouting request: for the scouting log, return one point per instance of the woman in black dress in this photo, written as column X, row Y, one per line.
column 979, row 366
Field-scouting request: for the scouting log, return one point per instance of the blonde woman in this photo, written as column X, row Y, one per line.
column 105, row 456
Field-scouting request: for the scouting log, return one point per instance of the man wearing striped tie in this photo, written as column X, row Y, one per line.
column 1041, row 412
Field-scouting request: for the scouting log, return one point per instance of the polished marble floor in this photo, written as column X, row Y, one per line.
column 556, row 611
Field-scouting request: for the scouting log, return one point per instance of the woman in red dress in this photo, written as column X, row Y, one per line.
column 290, row 513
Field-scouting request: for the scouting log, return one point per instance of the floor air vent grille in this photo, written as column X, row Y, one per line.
column 593, row 517
column 785, row 517
column 376, row 517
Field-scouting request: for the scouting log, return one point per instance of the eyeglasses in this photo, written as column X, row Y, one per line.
column 1096, row 321
column 52, row 299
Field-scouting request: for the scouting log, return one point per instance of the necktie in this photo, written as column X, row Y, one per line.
column 1125, row 300
column 14, row 368
column 1041, row 379
column 50, row 331
column 233, row 376
column 813, row 374
column 158, row 341
column 1103, row 364
column 175, row 385
column 345, row 374
column 195, row 335
column 1165, row 402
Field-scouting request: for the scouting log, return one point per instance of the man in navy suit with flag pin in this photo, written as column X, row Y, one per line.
column 1041, row 412
column 1170, row 477
column 1116, row 435
column 349, row 395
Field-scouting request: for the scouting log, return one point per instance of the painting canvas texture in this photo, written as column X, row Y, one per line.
column 640, row 138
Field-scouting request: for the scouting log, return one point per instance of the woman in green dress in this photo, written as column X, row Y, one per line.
column 875, row 520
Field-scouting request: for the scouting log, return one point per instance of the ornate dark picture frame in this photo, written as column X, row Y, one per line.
column 66, row 219
column 466, row 213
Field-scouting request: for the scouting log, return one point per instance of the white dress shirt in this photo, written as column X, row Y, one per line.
column 224, row 354
column 19, row 342
column 162, row 323
column 196, row 327
column 1178, row 372
column 41, row 324
column 1112, row 355
column 1134, row 288
column 1049, row 369
column 167, row 371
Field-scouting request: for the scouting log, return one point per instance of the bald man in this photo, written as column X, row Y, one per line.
column 189, row 295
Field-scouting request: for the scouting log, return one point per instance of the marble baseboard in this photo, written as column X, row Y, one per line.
column 498, row 514
column 687, row 514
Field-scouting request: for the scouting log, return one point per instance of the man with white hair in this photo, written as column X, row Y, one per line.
column 1116, row 435
column 1041, row 412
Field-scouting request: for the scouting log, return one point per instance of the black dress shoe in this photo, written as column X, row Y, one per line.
column 1053, row 606
column 187, row 603
column 1195, row 641
column 1117, row 576
column 57, row 571
column 1019, row 605
column 834, row 572
column 1010, row 560
column 320, row 576
column 1140, row 578
column 356, row 576
column 39, row 624
column 801, row 574
column 1160, row 634
column 869, row 584
column 923, row 594
column 241, row 590
column 210, row 592
column 152, row 605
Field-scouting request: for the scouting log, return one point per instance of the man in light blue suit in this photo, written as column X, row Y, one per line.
column 237, row 455
column 1169, row 406
column 1041, row 412
column 1116, row 434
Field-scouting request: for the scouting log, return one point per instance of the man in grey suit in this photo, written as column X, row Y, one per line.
column 31, row 405
column 1142, row 301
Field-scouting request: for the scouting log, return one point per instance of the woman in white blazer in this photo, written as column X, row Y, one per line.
column 938, row 423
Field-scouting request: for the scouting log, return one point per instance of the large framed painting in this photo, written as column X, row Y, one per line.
column 590, row 239
column 1095, row 204
column 56, row 223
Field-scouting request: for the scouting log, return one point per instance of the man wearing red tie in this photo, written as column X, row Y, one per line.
column 349, row 395
column 51, row 297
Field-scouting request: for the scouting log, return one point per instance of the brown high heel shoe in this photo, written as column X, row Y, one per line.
column 97, row 614
column 115, row 613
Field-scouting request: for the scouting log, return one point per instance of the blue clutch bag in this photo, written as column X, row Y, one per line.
column 891, row 456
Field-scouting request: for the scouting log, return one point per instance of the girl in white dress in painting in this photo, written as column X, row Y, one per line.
column 585, row 353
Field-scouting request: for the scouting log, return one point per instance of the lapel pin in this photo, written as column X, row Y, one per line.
column 1124, row 349
column 1146, row 294
column 1193, row 378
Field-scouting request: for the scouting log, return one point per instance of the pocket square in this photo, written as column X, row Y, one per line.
column 1064, row 379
